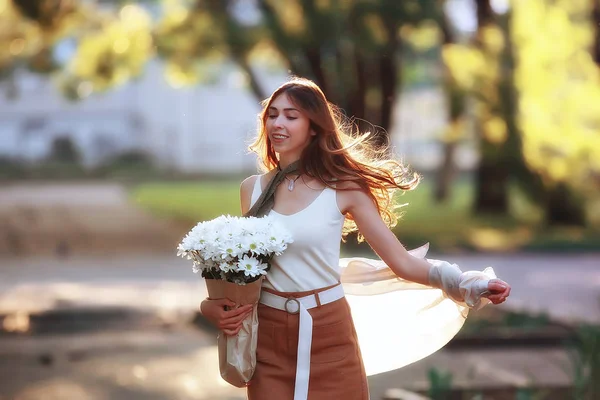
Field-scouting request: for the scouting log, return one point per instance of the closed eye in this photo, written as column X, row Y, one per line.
column 288, row 117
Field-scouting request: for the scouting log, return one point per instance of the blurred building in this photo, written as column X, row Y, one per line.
column 198, row 128
column 201, row 128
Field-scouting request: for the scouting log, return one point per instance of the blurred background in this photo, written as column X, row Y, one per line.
column 124, row 123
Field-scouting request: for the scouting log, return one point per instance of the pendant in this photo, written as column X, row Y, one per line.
column 291, row 185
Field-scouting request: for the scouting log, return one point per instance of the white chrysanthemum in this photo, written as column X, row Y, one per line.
column 250, row 266
column 229, row 245
column 227, row 267
column 228, row 249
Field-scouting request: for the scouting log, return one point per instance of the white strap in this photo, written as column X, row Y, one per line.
column 303, row 358
column 301, row 306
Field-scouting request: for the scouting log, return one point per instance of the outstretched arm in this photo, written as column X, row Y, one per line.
column 383, row 241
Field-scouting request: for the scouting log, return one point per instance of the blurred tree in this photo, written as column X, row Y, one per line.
column 484, row 69
column 456, row 101
column 110, row 50
column 351, row 48
column 559, row 102
column 495, row 124
column 31, row 28
column 535, row 101
column 64, row 151
column 596, row 22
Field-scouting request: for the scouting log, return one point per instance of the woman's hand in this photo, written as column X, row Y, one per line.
column 228, row 321
column 498, row 291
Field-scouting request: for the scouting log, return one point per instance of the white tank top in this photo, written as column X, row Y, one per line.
column 312, row 260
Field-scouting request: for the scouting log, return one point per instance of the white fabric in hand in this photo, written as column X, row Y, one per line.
column 466, row 288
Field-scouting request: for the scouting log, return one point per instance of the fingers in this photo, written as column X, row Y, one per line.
column 237, row 311
column 225, row 302
column 496, row 299
column 497, row 285
column 235, row 320
column 499, row 298
column 499, row 291
column 231, row 332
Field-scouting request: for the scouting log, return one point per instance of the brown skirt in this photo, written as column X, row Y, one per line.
column 336, row 367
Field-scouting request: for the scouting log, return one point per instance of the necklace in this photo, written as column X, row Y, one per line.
column 292, row 182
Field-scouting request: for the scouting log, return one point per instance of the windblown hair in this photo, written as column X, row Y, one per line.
column 338, row 153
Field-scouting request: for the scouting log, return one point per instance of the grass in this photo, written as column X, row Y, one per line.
column 189, row 201
column 447, row 227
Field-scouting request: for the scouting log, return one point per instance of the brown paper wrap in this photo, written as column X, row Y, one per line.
column 237, row 354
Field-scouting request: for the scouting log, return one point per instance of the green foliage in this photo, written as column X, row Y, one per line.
column 440, row 384
column 585, row 363
column 130, row 165
column 509, row 320
column 10, row 168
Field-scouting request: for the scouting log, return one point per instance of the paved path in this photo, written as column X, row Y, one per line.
column 77, row 218
column 565, row 286
column 180, row 363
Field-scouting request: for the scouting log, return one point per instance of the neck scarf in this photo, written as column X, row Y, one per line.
column 265, row 202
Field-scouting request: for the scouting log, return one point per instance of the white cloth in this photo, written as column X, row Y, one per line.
column 399, row 322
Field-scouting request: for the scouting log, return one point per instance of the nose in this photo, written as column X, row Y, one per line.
column 278, row 122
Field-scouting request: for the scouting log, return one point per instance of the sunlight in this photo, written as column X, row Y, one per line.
column 16, row 322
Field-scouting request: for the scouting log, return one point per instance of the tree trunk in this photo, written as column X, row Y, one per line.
column 456, row 108
column 313, row 56
column 491, row 185
column 255, row 86
column 563, row 207
column 446, row 172
column 492, row 174
column 596, row 22
column 388, row 81
column 239, row 50
column 356, row 101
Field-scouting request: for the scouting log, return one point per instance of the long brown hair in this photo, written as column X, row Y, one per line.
column 338, row 152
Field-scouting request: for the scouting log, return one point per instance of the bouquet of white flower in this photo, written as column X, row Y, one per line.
column 234, row 249
column 233, row 254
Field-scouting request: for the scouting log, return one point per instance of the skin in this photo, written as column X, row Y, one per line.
column 285, row 119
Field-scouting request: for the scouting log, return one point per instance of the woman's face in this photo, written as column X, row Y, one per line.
column 288, row 128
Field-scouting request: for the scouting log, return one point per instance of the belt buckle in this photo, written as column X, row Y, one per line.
column 292, row 299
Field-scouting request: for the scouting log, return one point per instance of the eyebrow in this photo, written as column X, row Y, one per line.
column 285, row 109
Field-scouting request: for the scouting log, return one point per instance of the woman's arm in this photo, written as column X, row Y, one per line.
column 246, row 192
column 383, row 241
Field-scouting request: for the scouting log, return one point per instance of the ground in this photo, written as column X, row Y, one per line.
column 115, row 323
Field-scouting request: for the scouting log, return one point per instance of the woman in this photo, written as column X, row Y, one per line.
column 322, row 183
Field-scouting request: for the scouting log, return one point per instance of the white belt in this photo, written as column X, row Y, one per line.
column 301, row 306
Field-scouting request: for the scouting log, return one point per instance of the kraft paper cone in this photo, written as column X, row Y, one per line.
column 237, row 354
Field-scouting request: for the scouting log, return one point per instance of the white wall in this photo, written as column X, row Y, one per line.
column 201, row 128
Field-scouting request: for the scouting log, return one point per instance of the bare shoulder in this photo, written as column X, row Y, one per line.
column 246, row 188
column 248, row 183
column 351, row 195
